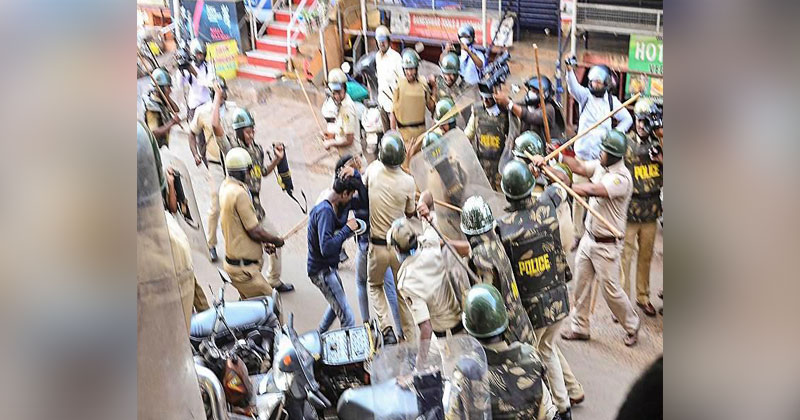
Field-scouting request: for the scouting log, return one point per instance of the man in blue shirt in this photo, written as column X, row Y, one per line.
column 471, row 59
column 327, row 231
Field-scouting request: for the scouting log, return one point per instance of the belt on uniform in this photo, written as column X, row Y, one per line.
column 603, row 239
column 454, row 330
column 377, row 241
column 215, row 163
column 401, row 125
column 648, row 195
column 241, row 262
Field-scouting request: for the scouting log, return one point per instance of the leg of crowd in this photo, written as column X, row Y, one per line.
column 216, row 175
column 248, row 280
column 647, row 238
column 389, row 287
column 547, row 351
column 631, row 233
column 330, row 284
column 377, row 263
column 584, row 277
column 199, row 302
column 607, row 260
column 274, row 270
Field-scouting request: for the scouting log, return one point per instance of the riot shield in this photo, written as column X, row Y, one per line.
column 451, row 381
column 188, row 215
column 167, row 384
column 450, row 169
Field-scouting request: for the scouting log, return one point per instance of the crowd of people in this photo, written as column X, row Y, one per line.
column 501, row 278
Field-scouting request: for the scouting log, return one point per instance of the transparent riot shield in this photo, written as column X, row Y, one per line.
column 450, row 381
column 188, row 214
column 450, row 169
column 167, row 384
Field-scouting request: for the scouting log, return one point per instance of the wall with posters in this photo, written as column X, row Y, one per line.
column 645, row 54
column 437, row 24
column 213, row 21
column 224, row 55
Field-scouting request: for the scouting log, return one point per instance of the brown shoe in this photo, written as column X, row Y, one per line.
column 573, row 336
column 647, row 308
column 576, row 401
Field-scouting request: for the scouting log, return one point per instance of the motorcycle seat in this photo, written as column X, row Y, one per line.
column 240, row 316
column 386, row 400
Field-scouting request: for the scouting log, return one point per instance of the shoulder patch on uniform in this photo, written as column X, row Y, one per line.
column 617, row 181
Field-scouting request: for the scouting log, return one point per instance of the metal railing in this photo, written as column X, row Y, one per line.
column 254, row 34
column 619, row 19
column 292, row 32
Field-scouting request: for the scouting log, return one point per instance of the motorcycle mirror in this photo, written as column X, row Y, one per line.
column 346, row 67
column 418, row 47
column 225, row 278
column 515, row 88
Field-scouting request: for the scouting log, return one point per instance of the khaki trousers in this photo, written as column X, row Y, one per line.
column 565, row 227
column 200, row 303
column 248, row 279
column 599, row 262
column 562, row 381
column 578, row 212
column 215, row 177
column 643, row 234
column 186, row 288
column 380, row 258
column 275, row 268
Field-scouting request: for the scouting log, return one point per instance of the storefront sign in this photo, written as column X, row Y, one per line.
column 211, row 21
column 223, row 55
column 645, row 54
column 432, row 25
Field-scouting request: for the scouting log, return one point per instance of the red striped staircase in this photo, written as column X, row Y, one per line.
column 268, row 61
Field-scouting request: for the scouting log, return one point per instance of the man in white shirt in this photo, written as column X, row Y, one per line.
column 595, row 102
column 198, row 77
column 387, row 68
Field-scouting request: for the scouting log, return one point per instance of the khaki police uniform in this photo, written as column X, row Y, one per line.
column 346, row 122
column 216, row 147
column 184, row 269
column 409, row 108
column 243, row 255
column 424, row 285
column 156, row 114
column 391, row 196
column 598, row 255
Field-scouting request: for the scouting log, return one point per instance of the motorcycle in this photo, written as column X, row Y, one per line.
column 452, row 378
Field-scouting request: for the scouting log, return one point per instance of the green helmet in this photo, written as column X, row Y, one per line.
column 614, row 143
column 528, row 142
column 485, row 313
column 517, row 182
column 430, row 138
column 218, row 81
column 242, row 118
column 238, row 159
column 449, row 63
column 476, row 216
column 402, row 235
column 443, row 107
column 410, row 59
column 642, row 108
column 161, row 77
column 393, row 151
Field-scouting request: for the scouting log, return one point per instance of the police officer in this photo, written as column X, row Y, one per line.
column 491, row 264
column 442, row 108
column 598, row 255
column 391, row 196
column 211, row 119
column 471, row 60
column 488, row 129
column 448, row 84
column 244, row 125
column 530, row 235
column 245, row 239
column 346, row 137
column 157, row 109
column 516, row 383
column 644, row 160
column 530, row 111
column 423, row 281
column 410, row 100
column 197, row 75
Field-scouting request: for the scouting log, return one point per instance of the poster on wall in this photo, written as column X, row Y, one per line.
column 223, row 55
column 428, row 24
column 210, row 21
column 645, row 54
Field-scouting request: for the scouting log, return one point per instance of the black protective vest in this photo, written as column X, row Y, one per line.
column 648, row 178
column 490, row 133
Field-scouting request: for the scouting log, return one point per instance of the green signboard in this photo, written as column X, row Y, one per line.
column 645, row 55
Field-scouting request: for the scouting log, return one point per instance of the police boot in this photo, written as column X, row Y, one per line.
column 566, row 415
column 388, row 336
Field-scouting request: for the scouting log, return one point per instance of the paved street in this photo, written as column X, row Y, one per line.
column 604, row 365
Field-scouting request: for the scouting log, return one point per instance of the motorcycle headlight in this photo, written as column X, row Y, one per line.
column 282, row 379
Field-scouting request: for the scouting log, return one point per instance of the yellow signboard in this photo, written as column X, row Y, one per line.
column 224, row 56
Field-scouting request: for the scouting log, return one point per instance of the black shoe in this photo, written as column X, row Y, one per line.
column 285, row 287
column 213, row 252
column 388, row 336
column 567, row 415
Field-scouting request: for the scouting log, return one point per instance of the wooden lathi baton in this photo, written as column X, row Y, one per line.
column 541, row 95
column 166, row 98
column 295, row 229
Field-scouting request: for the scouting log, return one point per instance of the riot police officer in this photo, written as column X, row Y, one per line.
column 346, row 137
column 442, row 108
column 391, row 196
column 491, row 264
column 515, row 373
column 644, row 160
column 157, row 109
column 488, row 129
column 410, row 100
column 530, row 111
column 530, row 235
column 245, row 239
column 244, row 125
column 448, row 84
